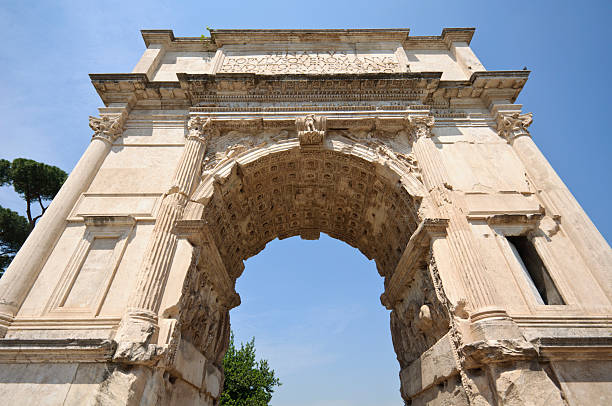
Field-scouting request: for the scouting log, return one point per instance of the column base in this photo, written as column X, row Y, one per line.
column 492, row 323
column 6, row 320
column 136, row 337
column 493, row 372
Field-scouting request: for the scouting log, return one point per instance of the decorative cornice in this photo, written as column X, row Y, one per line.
column 107, row 127
column 513, row 125
column 444, row 41
column 167, row 39
column 220, row 89
column 241, row 87
column 486, row 85
column 221, row 37
column 239, row 37
column 56, row 350
column 458, row 34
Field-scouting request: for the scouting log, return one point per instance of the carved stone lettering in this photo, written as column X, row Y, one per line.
column 311, row 62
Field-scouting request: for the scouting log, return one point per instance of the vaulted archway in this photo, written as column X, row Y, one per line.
column 292, row 192
column 356, row 192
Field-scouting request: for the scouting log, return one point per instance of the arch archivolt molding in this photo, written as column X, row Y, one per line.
column 301, row 188
column 260, row 181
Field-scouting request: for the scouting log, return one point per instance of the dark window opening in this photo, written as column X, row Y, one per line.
column 535, row 271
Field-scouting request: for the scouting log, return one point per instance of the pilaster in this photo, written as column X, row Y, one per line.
column 139, row 324
column 27, row 264
column 469, row 265
column 560, row 204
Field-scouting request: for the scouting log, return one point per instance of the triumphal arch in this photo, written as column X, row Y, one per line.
column 405, row 147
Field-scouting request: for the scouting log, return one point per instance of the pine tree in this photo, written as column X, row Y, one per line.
column 35, row 182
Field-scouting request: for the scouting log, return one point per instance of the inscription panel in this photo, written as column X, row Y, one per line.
column 311, row 62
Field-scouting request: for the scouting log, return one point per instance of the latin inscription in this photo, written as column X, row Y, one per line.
column 305, row 62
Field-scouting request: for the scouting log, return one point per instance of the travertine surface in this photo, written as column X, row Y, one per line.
column 404, row 147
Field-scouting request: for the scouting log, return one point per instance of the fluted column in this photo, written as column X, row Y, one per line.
column 27, row 264
column 556, row 197
column 469, row 264
column 140, row 321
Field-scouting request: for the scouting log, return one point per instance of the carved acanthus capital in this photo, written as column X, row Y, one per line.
column 311, row 129
column 419, row 125
column 512, row 125
column 107, row 127
column 201, row 128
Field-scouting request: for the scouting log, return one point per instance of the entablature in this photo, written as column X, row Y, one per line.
column 230, row 88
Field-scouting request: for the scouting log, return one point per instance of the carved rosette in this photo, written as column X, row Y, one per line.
column 513, row 125
column 107, row 128
column 311, row 129
column 419, row 126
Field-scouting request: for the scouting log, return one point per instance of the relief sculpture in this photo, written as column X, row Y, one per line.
column 203, row 321
column 419, row 320
column 311, row 129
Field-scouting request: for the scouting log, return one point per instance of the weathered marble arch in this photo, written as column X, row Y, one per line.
column 404, row 147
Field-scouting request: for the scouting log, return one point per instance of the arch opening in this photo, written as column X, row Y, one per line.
column 314, row 311
column 295, row 192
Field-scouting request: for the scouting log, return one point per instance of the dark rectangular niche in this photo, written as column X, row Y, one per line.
column 535, row 270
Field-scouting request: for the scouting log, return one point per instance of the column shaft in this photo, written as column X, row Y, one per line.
column 158, row 258
column 25, row 267
column 463, row 247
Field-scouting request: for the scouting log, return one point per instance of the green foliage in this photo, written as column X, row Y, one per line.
column 33, row 181
column 247, row 382
column 5, row 167
column 14, row 230
column 204, row 36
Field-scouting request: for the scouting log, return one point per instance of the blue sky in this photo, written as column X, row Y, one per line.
column 318, row 321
